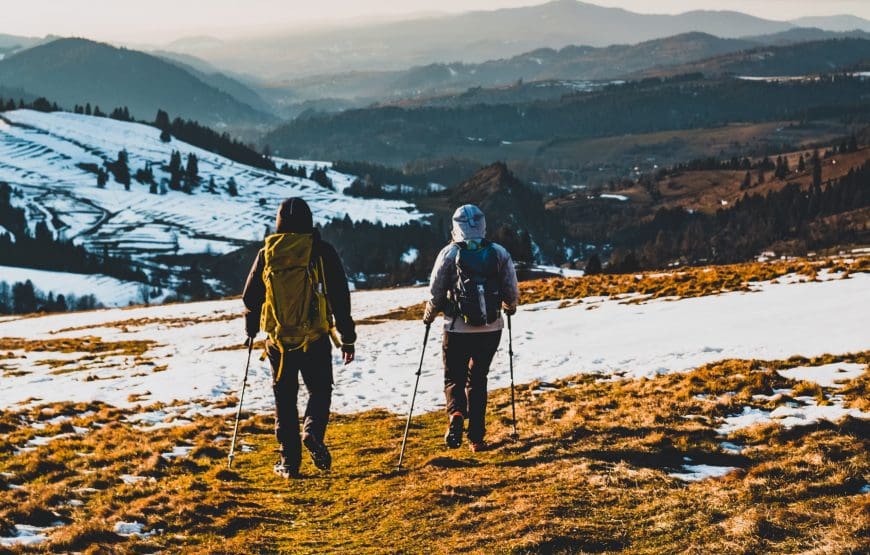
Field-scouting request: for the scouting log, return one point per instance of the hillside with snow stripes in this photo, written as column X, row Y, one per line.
column 42, row 154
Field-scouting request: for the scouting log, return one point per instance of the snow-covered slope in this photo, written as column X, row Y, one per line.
column 107, row 290
column 40, row 155
column 199, row 344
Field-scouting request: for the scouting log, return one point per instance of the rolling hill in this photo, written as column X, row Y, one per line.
column 795, row 60
column 50, row 161
column 397, row 135
column 77, row 71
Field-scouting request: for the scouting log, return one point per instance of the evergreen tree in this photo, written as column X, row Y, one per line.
column 191, row 173
column 817, row 170
column 593, row 265
column 88, row 109
column 23, row 298
column 175, row 172
column 102, row 178
column 802, row 164
column 747, row 182
column 853, row 144
column 121, row 170
column 162, row 120
column 232, row 188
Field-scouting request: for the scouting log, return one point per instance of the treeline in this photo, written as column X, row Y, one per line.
column 376, row 250
column 373, row 252
column 780, row 164
column 811, row 218
column 414, row 179
column 43, row 251
column 40, row 104
column 206, row 138
column 24, row 298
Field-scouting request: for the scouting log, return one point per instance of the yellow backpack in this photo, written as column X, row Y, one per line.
column 296, row 310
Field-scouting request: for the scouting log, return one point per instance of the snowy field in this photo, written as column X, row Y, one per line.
column 40, row 154
column 604, row 337
column 107, row 290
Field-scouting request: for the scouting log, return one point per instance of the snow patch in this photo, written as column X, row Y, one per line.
column 133, row 528
column 698, row 472
column 410, row 256
column 829, row 375
column 26, row 535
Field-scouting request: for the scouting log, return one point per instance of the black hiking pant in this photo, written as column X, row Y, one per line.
column 467, row 357
column 315, row 365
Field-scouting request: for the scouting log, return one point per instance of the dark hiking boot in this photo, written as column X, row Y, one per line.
column 453, row 437
column 284, row 470
column 319, row 453
column 478, row 446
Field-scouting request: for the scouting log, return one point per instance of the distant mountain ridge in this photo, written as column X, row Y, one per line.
column 77, row 71
column 568, row 63
column 796, row 60
column 477, row 36
column 472, row 37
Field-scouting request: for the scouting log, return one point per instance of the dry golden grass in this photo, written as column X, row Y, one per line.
column 589, row 474
column 125, row 325
column 85, row 344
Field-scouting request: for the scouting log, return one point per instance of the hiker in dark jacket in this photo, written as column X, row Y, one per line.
column 471, row 333
column 309, row 354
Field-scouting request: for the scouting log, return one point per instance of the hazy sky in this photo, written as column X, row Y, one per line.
column 162, row 20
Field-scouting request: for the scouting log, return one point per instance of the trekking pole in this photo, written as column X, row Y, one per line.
column 514, row 436
column 239, row 410
column 413, row 398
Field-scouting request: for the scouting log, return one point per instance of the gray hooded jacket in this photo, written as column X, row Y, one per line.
column 469, row 224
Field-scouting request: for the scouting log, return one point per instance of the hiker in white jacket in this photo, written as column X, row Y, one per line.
column 472, row 282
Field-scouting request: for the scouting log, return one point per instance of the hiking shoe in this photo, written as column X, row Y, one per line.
column 319, row 453
column 478, row 446
column 285, row 471
column 453, row 437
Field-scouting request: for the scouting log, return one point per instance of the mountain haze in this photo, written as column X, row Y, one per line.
column 834, row 23
column 78, row 71
column 570, row 62
column 471, row 37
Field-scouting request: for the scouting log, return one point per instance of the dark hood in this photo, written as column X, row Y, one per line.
column 294, row 216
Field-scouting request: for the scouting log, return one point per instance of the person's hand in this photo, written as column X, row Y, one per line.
column 509, row 309
column 348, row 353
column 429, row 314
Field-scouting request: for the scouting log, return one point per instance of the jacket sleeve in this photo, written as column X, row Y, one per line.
column 510, row 290
column 254, row 295
column 441, row 278
column 338, row 293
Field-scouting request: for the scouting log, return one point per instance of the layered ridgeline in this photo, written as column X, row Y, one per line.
column 122, row 193
column 471, row 37
column 78, row 71
column 521, row 129
column 573, row 63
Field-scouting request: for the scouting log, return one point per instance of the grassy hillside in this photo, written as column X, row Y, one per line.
column 589, row 474
column 603, row 464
